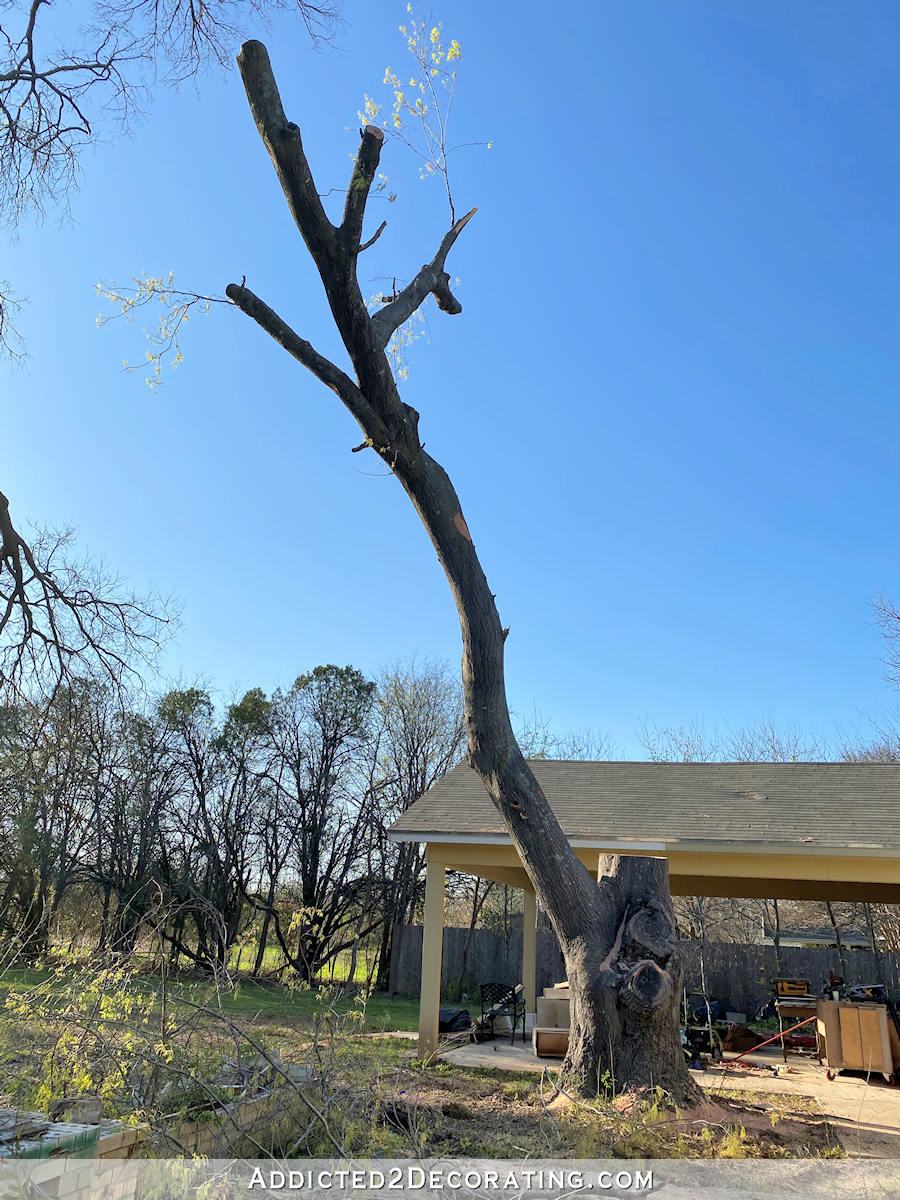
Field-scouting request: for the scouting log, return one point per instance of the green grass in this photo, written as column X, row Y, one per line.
column 272, row 1000
column 22, row 977
column 242, row 958
column 255, row 998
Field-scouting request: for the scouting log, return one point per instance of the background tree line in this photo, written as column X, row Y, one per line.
column 194, row 829
column 255, row 832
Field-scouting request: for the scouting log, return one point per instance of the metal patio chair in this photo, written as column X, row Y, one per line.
column 502, row 1000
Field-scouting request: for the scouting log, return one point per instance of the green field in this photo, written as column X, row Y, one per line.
column 243, row 958
column 252, row 998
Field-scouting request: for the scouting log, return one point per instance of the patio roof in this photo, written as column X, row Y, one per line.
column 798, row 806
column 826, row 831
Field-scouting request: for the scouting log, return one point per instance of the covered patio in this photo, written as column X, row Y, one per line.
column 796, row 831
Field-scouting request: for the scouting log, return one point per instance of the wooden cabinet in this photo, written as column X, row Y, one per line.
column 855, row 1037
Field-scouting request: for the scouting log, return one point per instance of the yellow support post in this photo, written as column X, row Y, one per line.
column 432, row 945
column 529, row 950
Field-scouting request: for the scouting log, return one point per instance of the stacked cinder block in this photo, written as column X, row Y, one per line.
column 249, row 1127
column 68, row 1160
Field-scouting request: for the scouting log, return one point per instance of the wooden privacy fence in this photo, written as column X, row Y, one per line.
column 740, row 975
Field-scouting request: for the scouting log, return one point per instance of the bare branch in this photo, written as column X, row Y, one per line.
column 282, row 140
column 52, row 97
column 887, row 616
column 360, row 181
column 325, row 370
column 11, row 342
column 432, row 278
column 374, row 238
column 57, row 615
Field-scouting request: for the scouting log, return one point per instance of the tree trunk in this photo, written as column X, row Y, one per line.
column 626, row 988
column 617, row 933
column 263, row 939
column 477, row 906
column 701, row 922
column 401, row 898
column 398, row 934
column 103, row 938
column 776, row 935
column 837, row 938
column 873, row 940
column 384, row 954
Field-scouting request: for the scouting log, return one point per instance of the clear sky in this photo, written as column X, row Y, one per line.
column 669, row 406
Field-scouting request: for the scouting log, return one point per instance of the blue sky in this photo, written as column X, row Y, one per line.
column 669, row 405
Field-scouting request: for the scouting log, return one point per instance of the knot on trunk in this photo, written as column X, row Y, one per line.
column 652, row 930
column 646, row 984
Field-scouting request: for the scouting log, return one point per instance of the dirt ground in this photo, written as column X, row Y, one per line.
column 864, row 1114
column 478, row 1112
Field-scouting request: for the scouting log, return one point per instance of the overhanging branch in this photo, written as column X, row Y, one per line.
column 304, row 352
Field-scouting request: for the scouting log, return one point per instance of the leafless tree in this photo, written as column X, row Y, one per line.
column 680, row 743
column 60, row 615
column 420, row 736
column 765, row 741
column 887, row 617
column 210, row 849
column 617, row 934
column 62, row 88
column 538, row 739
column 319, row 731
column 48, row 776
column 129, row 816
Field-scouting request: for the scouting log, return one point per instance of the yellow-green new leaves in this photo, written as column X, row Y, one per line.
column 420, row 110
column 177, row 307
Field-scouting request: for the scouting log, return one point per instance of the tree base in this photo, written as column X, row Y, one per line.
column 625, row 990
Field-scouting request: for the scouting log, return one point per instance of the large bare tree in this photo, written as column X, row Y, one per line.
column 617, row 932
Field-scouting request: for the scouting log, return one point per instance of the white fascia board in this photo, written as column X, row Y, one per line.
column 793, row 849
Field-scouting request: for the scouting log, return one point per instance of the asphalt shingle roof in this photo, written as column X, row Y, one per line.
column 829, row 805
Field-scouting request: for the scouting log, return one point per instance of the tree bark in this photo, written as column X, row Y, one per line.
column 776, row 935
column 837, row 938
column 263, row 938
column 617, row 932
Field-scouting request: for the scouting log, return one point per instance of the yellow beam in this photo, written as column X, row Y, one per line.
column 720, row 872
column 514, row 876
column 784, row 889
column 820, row 868
column 432, row 945
column 469, row 858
